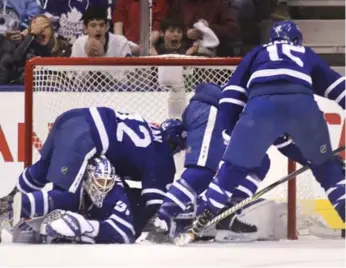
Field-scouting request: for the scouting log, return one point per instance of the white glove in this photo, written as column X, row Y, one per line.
column 71, row 226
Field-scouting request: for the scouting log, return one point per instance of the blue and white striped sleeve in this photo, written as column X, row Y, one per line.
column 235, row 94
column 326, row 82
column 232, row 103
column 154, row 185
column 28, row 182
column 119, row 227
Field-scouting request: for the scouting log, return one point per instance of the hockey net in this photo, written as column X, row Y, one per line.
column 146, row 86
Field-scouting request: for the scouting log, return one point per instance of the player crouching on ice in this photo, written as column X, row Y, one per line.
column 137, row 149
column 102, row 213
column 277, row 82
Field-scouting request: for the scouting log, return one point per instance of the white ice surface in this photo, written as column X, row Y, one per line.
column 310, row 253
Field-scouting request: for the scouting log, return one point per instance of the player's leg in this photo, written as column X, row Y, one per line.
column 314, row 142
column 232, row 228
column 257, row 128
column 34, row 177
column 204, row 150
column 73, row 148
column 205, row 147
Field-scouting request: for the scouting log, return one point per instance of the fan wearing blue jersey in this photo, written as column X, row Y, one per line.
column 204, row 145
column 138, row 151
column 277, row 82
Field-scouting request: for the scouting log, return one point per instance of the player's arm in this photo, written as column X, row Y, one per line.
column 326, row 82
column 234, row 95
column 117, row 228
column 154, row 187
column 33, row 178
column 41, row 202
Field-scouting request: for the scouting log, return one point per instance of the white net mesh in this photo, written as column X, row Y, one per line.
column 142, row 89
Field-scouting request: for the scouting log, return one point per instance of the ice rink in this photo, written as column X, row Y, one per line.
column 302, row 253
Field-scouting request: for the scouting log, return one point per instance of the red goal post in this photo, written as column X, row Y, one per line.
column 53, row 85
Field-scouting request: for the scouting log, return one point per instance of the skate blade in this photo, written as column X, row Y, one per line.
column 184, row 239
column 226, row 236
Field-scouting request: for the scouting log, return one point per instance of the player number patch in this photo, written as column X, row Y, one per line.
column 278, row 51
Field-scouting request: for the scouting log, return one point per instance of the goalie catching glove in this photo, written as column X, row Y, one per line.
column 67, row 225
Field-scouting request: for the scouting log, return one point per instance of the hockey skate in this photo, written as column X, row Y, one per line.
column 232, row 229
column 158, row 231
column 196, row 229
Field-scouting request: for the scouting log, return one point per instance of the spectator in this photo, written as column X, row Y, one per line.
column 7, row 68
column 38, row 43
column 221, row 19
column 16, row 14
column 127, row 20
column 67, row 15
column 173, row 41
column 98, row 42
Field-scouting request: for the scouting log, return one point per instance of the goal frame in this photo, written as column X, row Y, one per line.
column 140, row 61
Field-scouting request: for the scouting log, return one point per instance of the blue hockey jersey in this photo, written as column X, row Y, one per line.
column 279, row 62
column 134, row 147
column 117, row 221
column 68, row 15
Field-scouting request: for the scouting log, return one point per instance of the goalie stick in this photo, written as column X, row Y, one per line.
column 190, row 236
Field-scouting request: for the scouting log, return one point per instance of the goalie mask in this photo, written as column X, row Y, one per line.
column 100, row 179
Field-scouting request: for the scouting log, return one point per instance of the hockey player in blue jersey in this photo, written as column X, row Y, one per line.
column 204, row 149
column 139, row 151
column 277, row 82
column 205, row 145
column 103, row 212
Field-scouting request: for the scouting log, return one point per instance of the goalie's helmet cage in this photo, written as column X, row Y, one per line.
column 100, row 179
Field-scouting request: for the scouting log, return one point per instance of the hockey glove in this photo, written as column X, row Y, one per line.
column 67, row 225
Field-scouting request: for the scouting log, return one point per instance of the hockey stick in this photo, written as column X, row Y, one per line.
column 265, row 190
column 191, row 236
